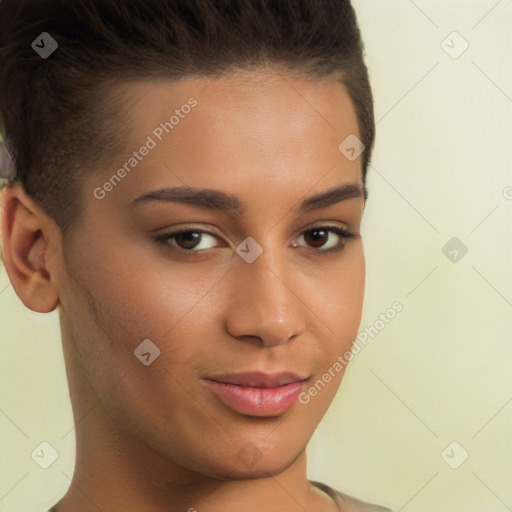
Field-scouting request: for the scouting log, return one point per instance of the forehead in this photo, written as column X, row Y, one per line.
column 266, row 98
column 248, row 133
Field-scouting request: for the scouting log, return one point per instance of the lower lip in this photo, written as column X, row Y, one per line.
column 257, row 401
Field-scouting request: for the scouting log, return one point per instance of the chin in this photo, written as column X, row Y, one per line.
column 249, row 463
column 259, row 470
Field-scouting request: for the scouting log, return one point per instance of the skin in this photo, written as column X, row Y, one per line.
column 155, row 438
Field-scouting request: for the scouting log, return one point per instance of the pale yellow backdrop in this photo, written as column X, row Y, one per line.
column 432, row 389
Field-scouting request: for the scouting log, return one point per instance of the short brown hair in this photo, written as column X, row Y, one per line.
column 52, row 111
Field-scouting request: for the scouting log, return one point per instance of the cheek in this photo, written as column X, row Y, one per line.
column 112, row 311
column 338, row 295
column 134, row 298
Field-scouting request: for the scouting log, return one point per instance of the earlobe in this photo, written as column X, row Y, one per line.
column 27, row 249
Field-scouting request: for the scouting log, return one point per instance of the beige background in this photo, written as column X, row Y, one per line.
column 440, row 371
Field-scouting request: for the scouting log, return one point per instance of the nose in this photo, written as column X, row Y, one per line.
column 267, row 306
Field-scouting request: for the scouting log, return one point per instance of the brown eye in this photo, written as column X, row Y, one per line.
column 192, row 242
column 318, row 238
column 188, row 240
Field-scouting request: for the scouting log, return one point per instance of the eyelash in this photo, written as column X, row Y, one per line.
column 343, row 233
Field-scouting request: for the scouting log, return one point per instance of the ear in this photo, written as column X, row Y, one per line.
column 27, row 247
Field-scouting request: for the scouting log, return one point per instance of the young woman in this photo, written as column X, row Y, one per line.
column 186, row 185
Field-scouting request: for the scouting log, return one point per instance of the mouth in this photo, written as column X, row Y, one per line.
column 257, row 394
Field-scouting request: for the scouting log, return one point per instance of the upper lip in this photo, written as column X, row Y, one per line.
column 258, row 379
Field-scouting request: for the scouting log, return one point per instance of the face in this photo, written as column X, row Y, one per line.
column 264, row 283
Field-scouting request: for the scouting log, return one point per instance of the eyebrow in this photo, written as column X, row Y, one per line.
column 221, row 201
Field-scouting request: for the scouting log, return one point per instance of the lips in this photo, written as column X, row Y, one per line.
column 259, row 379
column 257, row 394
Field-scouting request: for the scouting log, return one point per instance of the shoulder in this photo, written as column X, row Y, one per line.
column 348, row 503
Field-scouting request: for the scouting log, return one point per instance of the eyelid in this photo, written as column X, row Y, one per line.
column 211, row 231
column 186, row 229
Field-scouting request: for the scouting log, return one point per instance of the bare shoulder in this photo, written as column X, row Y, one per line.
column 348, row 503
